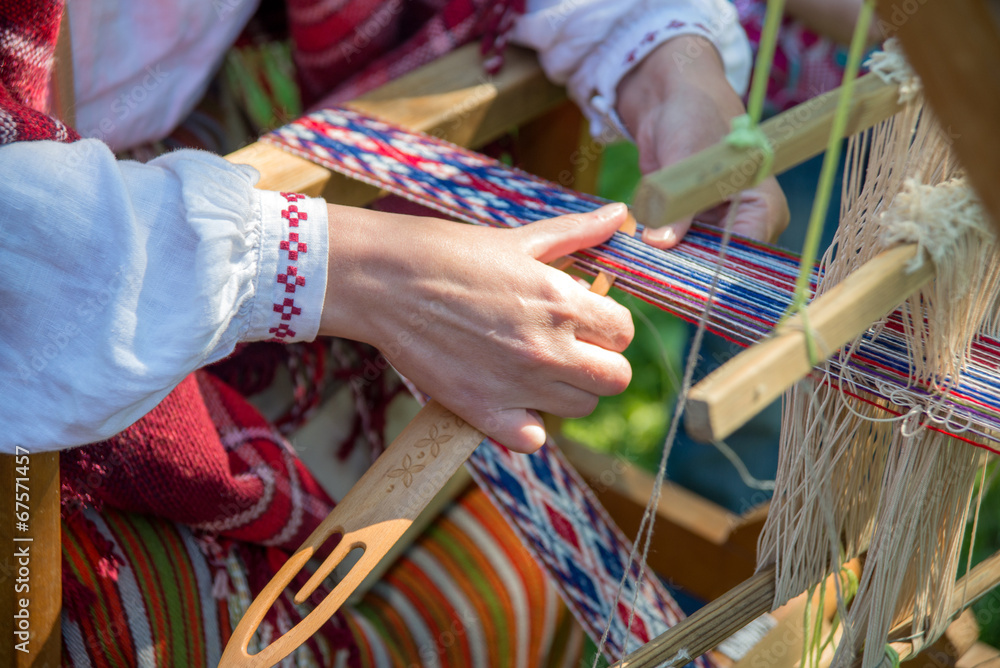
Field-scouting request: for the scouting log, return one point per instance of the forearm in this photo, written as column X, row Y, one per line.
column 672, row 69
column 590, row 45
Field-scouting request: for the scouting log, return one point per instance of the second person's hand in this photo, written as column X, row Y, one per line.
column 676, row 105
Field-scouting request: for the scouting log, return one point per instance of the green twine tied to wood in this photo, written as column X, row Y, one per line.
column 746, row 134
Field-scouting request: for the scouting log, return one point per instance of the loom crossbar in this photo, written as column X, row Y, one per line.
column 740, row 389
column 713, row 175
column 710, row 626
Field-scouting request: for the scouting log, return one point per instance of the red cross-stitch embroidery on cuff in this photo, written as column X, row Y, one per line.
column 291, row 279
column 641, row 50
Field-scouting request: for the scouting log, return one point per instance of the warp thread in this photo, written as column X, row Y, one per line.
column 850, row 480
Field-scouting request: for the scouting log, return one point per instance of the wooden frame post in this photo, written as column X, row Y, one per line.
column 954, row 45
column 31, row 562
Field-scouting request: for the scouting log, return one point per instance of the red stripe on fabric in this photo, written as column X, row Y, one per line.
column 872, row 402
column 361, row 641
column 440, row 553
column 149, row 586
column 433, row 607
column 108, row 626
column 401, row 643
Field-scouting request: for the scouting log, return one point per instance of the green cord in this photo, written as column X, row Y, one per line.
column 765, row 59
column 832, row 158
column 279, row 76
column 805, row 626
column 830, row 162
column 745, row 132
column 814, row 645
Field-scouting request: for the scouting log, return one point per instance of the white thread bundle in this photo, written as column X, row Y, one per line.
column 850, row 479
column 953, row 232
column 890, row 64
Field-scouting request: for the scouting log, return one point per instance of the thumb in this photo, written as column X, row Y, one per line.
column 547, row 240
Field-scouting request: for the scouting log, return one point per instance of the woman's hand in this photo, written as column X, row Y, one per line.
column 677, row 102
column 476, row 318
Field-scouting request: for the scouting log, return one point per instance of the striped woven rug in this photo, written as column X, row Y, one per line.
column 465, row 594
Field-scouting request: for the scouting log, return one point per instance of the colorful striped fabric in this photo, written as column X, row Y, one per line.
column 756, row 282
column 151, row 586
column 465, row 594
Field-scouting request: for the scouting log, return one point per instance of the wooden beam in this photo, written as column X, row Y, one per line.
column 783, row 645
column 708, row 627
column 978, row 582
column 63, row 94
column 958, row 639
column 713, row 175
column 557, row 146
column 718, row 620
column 31, row 564
column 30, row 508
column 450, row 98
column 980, row 655
column 954, row 45
column 735, row 392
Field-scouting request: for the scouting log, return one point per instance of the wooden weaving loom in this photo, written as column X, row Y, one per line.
column 734, row 394
column 933, row 25
column 448, row 98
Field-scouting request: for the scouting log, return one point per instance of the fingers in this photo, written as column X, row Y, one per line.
column 603, row 322
column 522, row 430
column 667, row 236
column 762, row 213
column 551, row 345
column 571, row 388
column 547, row 240
column 518, row 429
column 596, row 371
column 566, row 401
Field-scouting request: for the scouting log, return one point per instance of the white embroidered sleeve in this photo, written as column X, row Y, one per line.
column 117, row 279
column 589, row 45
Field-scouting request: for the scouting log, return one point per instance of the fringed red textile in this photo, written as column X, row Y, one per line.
column 206, row 458
column 28, row 32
